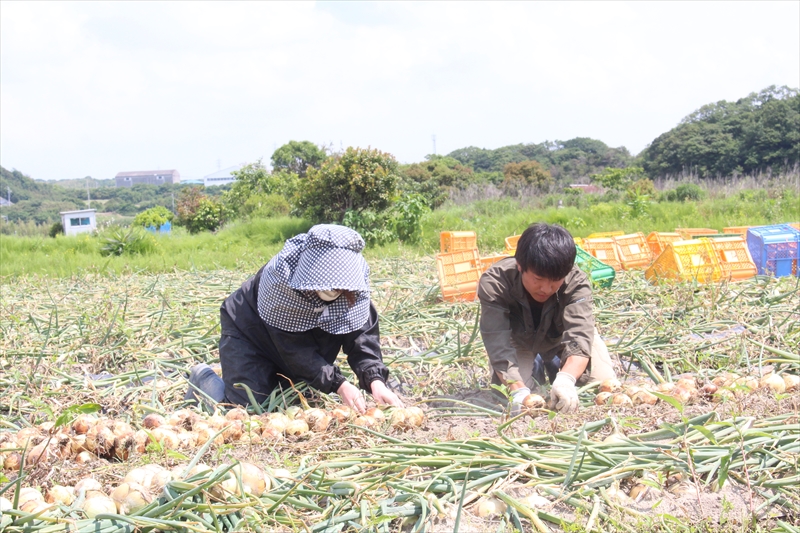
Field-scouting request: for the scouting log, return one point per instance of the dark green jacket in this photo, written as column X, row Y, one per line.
column 565, row 329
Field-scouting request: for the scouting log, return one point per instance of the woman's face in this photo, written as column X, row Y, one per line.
column 329, row 296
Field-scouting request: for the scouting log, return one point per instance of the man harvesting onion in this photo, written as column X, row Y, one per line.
column 540, row 303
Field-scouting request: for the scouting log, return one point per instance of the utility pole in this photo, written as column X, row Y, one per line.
column 434, row 144
column 173, row 201
column 88, row 195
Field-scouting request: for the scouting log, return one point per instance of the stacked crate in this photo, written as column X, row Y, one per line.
column 688, row 233
column 599, row 272
column 633, row 251
column 658, row 241
column 775, row 249
column 459, row 273
column 603, row 249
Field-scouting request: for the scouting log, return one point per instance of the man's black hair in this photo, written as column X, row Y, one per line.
column 546, row 250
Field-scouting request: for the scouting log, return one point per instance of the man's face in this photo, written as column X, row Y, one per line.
column 540, row 289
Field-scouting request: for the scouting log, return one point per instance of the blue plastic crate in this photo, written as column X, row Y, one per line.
column 775, row 249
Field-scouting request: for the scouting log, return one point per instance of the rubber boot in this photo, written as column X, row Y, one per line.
column 203, row 378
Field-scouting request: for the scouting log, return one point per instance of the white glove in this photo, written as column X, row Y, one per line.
column 516, row 399
column 563, row 394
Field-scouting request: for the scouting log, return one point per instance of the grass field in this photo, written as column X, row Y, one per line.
column 123, row 342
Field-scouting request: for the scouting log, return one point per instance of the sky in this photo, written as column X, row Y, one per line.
column 96, row 88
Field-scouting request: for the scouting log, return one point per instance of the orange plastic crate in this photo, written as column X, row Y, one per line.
column 686, row 260
column 633, row 251
column 578, row 241
column 603, row 249
column 489, row 260
column 688, row 233
column 454, row 241
column 734, row 258
column 795, row 225
column 511, row 244
column 605, row 234
column 459, row 273
column 736, row 230
column 658, row 241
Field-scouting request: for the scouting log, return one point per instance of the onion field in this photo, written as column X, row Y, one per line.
column 701, row 433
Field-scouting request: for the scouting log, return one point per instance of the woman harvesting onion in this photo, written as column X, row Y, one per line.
column 292, row 319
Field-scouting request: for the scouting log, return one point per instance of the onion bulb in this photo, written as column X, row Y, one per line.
column 29, row 494
column 534, row 501
column 603, row 398
column 85, row 457
column 643, row 397
column 5, row 504
column 237, row 413
column 254, row 479
column 99, row 504
column 100, row 439
column 611, row 385
column 774, row 382
column 376, row 413
column 342, row 413
column 681, row 394
column 318, row 419
column 490, row 507
column 709, row 388
column 153, row 420
column 83, row 422
column 533, row 401
column 130, row 497
column 41, row 452
column 687, row 383
column 364, row 421
column 791, row 382
column 60, row 494
column 665, row 387
column 415, row 416
column 294, row 411
column 297, row 427
column 621, row 400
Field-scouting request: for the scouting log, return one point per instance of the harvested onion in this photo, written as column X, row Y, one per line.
column 533, row 401
column 99, row 504
column 130, row 497
column 621, row 400
column 774, row 382
column 791, row 382
column 491, row 506
column 603, row 398
column 611, row 385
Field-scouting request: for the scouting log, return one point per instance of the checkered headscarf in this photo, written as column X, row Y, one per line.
column 326, row 258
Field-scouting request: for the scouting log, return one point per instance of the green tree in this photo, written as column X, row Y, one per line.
column 297, row 156
column 528, row 173
column 357, row 180
column 197, row 212
column 155, row 216
column 618, row 179
column 253, row 179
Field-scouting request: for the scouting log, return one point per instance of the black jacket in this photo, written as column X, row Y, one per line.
column 307, row 355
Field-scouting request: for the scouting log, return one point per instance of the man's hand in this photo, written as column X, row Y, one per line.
column 517, row 396
column 563, row 394
column 352, row 397
column 384, row 396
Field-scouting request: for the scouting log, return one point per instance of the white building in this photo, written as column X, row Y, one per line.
column 221, row 177
column 75, row 222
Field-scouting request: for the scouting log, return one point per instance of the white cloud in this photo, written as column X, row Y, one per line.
column 95, row 88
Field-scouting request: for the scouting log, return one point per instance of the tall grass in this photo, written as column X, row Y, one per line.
column 244, row 246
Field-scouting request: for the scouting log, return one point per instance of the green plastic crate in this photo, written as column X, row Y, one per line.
column 601, row 273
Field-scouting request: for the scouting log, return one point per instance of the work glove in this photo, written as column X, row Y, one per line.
column 563, row 394
column 516, row 399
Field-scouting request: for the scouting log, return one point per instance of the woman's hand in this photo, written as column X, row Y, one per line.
column 383, row 396
column 352, row 397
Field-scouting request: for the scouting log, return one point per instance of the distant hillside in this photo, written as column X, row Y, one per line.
column 81, row 183
column 37, row 201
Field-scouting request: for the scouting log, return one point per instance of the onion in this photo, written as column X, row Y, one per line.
column 534, row 501
column 630, row 390
column 153, row 420
column 791, row 382
column 187, row 440
column 533, row 401
column 83, row 423
column 99, row 504
column 665, row 387
column 681, row 394
column 41, row 452
column 611, row 385
column 747, row 382
column 621, row 400
column 47, row 427
column 130, row 497
column 709, row 388
column 27, row 437
column 294, row 411
column 722, row 395
column 85, row 457
column 166, row 437
column 342, row 413
column 725, row 379
column 643, row 397
column 29, row 494
column 12, row 461
column 615, row 438
column 233, row 432
column 491, row 506
column 184, row 418
column 60, row 494
column 88, row 484
column 687, row 383
column 603, row 398
column 100, row 439
column 364, row 421
column 319, row 420
column 254, row 479
column 277, row 421
column 398, row 418
column 775, row 383
column 216, row 422
column 376, row 413
column 297, row 427
column 415, row 416
column 5, row 504
column 152, row 477
column 237, row 413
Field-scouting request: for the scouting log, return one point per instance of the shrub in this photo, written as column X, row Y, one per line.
column 56, row 230
column 155, row 216
column 118, row 241
column 688, row 191
column 265, row 206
